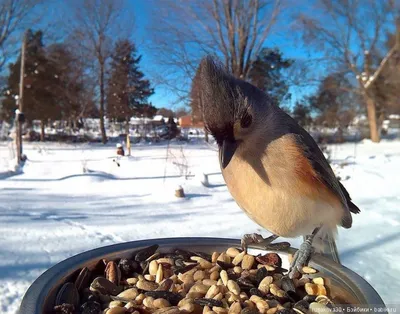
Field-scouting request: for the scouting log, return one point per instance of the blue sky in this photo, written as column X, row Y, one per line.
column 291, row 48
column 56, row 11
column 288, row 40
column 161, row 98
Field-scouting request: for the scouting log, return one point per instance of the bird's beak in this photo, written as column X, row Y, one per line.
column 226, row 152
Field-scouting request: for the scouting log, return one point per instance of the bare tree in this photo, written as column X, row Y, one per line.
column 184, row 31
column 386, row 86
column 15, row 17
column 334, row 103
column 71, row 87
column 181, row 112
column 98, row 24
column 351, row 34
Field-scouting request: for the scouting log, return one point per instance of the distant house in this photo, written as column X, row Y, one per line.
column 187, row 122
column 360, row 120
column 392, row 122
column 155, row 121
column 158, row 119
column 139, row 121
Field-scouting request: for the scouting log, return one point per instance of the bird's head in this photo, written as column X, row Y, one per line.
column 229, row 105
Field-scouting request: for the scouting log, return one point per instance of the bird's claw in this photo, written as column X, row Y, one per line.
column 250, row 238
column 263, row 243
column 300, row 258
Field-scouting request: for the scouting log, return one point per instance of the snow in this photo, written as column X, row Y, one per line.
column 72, row 198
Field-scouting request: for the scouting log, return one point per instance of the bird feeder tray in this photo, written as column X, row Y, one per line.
column 343, row 284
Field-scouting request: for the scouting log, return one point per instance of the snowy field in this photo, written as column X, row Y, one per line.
column 55, row 209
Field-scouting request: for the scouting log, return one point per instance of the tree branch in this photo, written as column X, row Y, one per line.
column 378, row 71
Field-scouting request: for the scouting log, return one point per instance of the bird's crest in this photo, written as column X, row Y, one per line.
column 224, row 98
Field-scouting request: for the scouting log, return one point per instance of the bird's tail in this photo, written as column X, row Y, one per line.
column 324, row 243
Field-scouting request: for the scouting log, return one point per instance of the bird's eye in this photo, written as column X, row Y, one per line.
column 246, row 120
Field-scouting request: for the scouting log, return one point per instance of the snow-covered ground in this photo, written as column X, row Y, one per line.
column 55, row 209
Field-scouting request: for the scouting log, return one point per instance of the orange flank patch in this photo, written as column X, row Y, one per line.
column 308, row 182
column 288, row 199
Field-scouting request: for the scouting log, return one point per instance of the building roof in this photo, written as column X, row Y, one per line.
column 187, row 122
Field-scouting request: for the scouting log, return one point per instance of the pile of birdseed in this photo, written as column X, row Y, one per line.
column 179, row 282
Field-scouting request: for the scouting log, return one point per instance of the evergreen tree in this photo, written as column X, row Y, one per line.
column 146, row 110
column 267, row 73
column 195, row 102
column 128, row 90
column 334, row 103
column 302, row 114
column 40, row 79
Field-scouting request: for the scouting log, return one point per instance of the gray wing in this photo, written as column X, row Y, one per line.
column 325, row 172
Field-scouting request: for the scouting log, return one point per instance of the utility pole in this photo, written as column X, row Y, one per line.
column 128, row 144
column 19, row 116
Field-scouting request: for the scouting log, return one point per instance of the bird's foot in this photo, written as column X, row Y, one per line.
column 263, row 243
column 301, row 257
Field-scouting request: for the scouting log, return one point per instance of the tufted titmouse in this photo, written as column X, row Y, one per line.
column 273, row 168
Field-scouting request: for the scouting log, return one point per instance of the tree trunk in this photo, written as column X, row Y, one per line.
column 371, row 113
column 42, row 130
column 102, row 128
column 340, row 138
column 381, row 118
column 206, row 136
column 127, row 126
